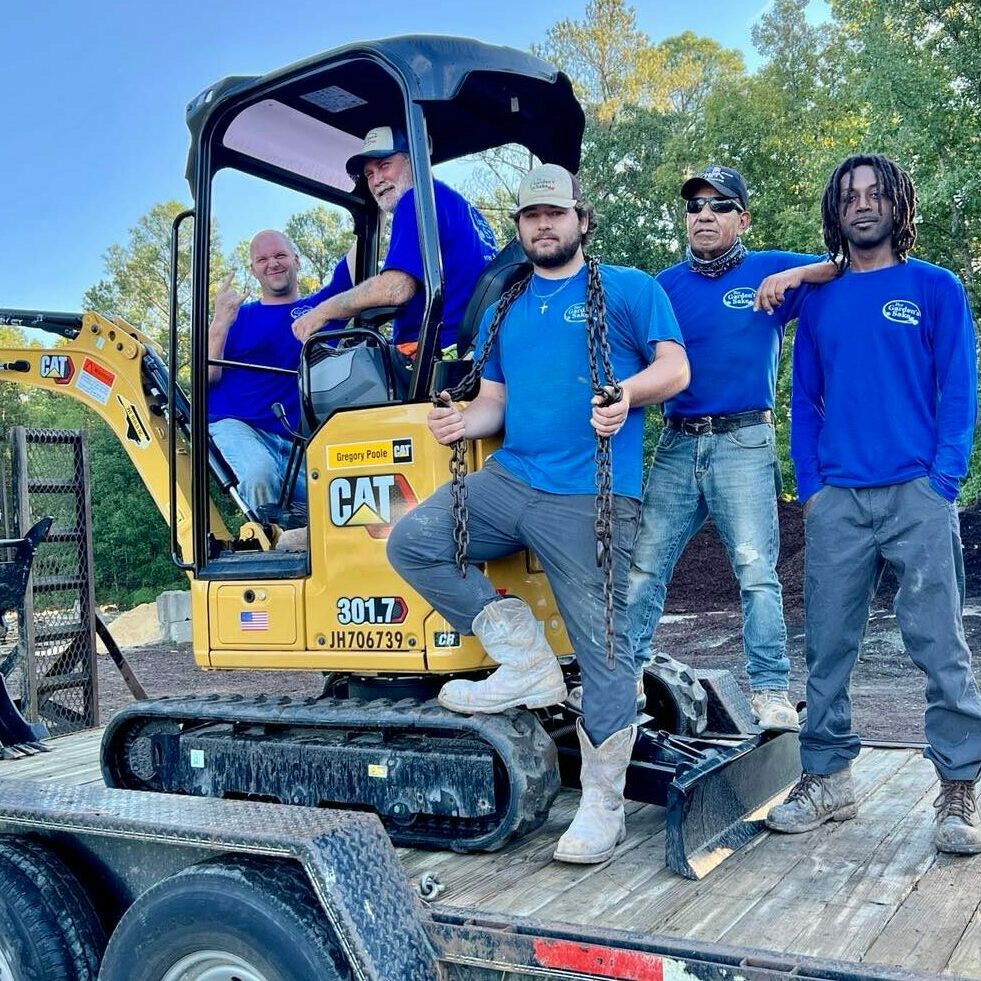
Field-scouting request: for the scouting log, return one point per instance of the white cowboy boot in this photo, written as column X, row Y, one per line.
column 599, row 825
column 528, row 675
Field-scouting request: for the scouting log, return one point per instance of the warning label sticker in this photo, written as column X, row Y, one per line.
column 95, row 381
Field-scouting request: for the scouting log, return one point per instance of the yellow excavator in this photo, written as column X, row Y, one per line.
column 375, row 739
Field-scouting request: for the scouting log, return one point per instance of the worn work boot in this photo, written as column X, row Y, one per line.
column 813, row 801
column 574, row 701
column 774, row 711
column 958, row 824
column 599, row 824
column 528, row 675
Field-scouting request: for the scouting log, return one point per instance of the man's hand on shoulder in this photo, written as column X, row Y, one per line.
column 446, row 422
column 773, row 289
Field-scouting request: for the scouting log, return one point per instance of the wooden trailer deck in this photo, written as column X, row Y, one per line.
column 871, row 890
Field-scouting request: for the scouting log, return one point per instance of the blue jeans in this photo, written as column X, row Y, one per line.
column 732, row 479
column 258, row 459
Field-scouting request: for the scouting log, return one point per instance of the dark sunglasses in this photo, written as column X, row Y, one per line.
column 721, row 206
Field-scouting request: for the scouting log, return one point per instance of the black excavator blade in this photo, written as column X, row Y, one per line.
column 718, row 805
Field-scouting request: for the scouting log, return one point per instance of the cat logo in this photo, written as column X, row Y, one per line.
column 372, row 502
column 56, row 366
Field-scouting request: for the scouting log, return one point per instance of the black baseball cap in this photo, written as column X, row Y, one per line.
column 728, row 182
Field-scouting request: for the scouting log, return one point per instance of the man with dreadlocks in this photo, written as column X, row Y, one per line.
column 883, row 411
column 551, row 357
column 716, row 457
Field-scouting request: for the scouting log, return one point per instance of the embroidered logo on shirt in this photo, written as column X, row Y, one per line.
column 299, row 311
column 575, row 314
column 740, row 298
column 902, row 312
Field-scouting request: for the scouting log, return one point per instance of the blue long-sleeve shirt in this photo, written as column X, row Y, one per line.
column 733, row 349
column 885, row 381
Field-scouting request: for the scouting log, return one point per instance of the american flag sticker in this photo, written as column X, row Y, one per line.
column 253, row 620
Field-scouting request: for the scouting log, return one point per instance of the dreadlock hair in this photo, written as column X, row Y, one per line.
column 893, row 181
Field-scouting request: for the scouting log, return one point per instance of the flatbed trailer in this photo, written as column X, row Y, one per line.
column 868, row 898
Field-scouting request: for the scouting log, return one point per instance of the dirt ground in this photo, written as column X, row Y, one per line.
column 702, row 626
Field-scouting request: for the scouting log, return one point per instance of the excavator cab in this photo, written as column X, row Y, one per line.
column 337, row 606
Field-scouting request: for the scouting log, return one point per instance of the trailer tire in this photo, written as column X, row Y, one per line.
column 49, row 930
column 230, row 917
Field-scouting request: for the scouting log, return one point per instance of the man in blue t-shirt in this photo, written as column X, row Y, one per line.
column 240, row 400
column 539, row 490
column 466, row 245
column 716, row 456
column 882, row 419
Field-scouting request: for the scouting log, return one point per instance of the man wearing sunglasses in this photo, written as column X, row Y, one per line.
column 716, row 456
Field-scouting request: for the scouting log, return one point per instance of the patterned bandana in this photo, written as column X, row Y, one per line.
column 713, row 268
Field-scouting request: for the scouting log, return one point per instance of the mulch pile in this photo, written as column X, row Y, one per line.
column 703, row 580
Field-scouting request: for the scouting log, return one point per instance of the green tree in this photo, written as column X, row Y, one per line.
column 321, row 235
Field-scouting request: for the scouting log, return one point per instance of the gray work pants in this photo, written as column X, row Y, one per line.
column 849, row 533
column 506, row 515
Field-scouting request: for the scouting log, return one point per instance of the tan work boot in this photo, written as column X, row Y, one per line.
column 774, row 711
column 528, row 675
column 599, row 825
column 958, row 824
column 574, row 701
column 813, row 801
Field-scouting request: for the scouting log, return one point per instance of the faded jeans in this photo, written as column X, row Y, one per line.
column 849, row 532
column 732, row 479
column 505, row 516
column 258, row 459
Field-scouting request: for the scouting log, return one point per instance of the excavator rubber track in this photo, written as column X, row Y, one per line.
column 436, row 779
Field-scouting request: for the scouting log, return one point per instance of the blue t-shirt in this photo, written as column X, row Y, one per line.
column 466, row 245
column 885, row 381
column 543, row 360
column 733, row 351
column 262, row 334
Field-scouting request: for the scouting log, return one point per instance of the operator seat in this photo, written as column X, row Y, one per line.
column 501, row 273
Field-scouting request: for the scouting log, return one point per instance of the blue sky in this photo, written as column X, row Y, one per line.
column 92, row 122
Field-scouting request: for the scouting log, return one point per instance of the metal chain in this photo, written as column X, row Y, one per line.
column 458, row 459
column 598, row 347
column 610, row 393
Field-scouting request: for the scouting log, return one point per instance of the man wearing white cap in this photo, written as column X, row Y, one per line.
column 466, row 245
column 548, row 353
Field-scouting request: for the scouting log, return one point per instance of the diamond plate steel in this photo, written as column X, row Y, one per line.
column 347, row 855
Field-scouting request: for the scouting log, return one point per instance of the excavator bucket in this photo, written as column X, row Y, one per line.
column 718, row 804
column 18, row 737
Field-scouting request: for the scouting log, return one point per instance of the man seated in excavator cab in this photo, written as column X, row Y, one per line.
column 241, row 418
column 466, row 245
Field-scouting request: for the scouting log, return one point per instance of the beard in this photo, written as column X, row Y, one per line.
column 551, row 254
